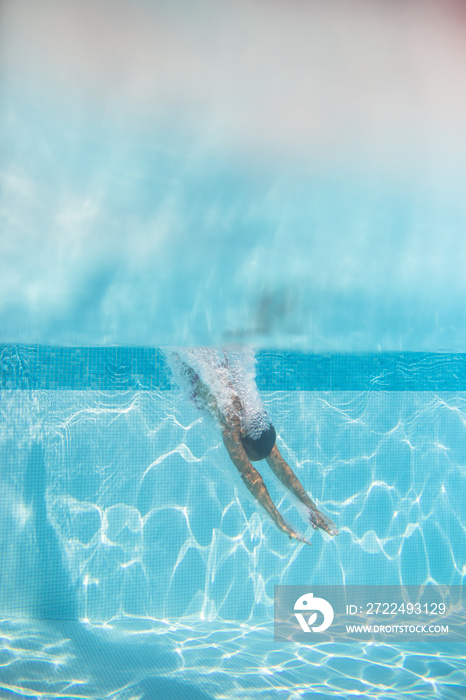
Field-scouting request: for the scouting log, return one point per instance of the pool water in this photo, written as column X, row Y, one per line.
column 135, row 564
column 281, row 176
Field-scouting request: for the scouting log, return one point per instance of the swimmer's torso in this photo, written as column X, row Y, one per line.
column 215, row 383
column 230, row 417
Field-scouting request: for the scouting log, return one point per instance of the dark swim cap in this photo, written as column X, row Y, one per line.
column 260, row 448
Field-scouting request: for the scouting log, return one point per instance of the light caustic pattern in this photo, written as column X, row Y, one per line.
column 124, row 506
column 150, row 660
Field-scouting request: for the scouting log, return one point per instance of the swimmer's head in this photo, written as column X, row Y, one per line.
column 260, row 448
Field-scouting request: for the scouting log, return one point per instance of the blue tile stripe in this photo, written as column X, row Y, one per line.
column 411, row 371
column 79, row 368
column 122, row 368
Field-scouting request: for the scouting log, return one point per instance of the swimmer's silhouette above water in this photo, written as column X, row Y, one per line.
column 214, row 384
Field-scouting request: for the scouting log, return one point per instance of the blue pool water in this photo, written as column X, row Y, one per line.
column 135, row 563
column 280, row 176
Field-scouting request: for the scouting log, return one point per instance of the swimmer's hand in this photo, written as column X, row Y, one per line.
column 318, row 520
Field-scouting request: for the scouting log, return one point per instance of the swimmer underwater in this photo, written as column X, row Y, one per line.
column 247, row 432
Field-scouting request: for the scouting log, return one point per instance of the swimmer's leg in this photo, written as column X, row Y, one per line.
column 289, row 479
column 255, row 484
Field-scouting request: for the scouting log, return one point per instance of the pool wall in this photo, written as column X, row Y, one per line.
column 119, row 499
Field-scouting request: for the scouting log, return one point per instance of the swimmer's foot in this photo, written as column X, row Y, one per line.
column 295, row 536
column 283, row 526
column 318, row 520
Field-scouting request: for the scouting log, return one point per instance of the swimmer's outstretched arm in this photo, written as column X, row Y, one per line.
column 289, row 479
column 255, row 483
